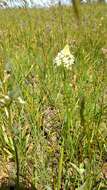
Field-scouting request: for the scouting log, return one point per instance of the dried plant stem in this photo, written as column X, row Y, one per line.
column 76, row 10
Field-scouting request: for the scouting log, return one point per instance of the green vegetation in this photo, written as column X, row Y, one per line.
column 53, row 121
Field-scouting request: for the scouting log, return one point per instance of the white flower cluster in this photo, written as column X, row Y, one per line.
column 65, row 58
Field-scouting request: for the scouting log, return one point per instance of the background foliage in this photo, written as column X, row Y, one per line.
column 53, row 122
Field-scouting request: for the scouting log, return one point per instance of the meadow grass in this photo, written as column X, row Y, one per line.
column 53, row 121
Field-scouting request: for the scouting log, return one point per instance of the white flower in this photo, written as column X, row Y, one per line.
column 65, row 58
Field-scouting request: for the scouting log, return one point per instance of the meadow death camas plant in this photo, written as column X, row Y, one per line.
column 64, row 58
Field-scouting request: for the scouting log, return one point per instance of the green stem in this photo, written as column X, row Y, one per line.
column 15, row 149
column 60, row 166
column 17, row 165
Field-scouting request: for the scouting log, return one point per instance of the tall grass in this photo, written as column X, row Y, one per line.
column 60, row 131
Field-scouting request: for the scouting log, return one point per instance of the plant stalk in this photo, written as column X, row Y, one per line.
column 15, row 149
column 60, row 166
